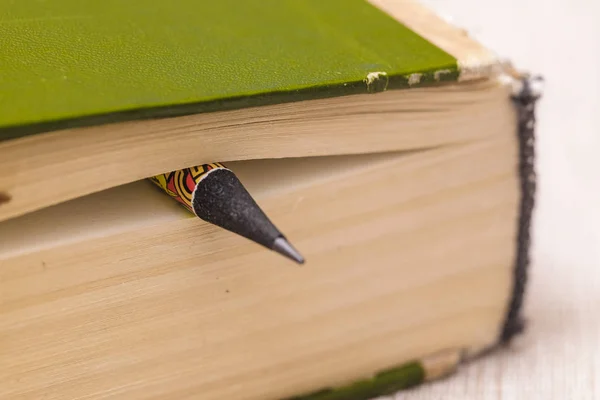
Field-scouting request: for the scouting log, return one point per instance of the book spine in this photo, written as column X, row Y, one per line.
column 526, row 92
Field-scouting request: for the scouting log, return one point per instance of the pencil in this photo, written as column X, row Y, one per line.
column 214, row 194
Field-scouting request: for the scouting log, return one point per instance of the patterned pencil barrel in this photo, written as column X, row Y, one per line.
column 214, row 194
column 181, row 184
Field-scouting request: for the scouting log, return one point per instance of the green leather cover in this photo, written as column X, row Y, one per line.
column 382, row 384
column 79, row 62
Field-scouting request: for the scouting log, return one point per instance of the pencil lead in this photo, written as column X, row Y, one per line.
column 283, row 247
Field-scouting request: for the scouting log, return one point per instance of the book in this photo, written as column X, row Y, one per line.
column 394, row 150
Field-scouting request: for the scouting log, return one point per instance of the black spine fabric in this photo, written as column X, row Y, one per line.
column 221, row 199
column 524, row 100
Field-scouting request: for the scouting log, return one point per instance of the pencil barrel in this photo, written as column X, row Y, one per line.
column 181, row 184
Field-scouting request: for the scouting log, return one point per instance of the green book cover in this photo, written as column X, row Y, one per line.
column 70, row 63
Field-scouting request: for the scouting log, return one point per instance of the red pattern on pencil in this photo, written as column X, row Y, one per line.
column 181, row 184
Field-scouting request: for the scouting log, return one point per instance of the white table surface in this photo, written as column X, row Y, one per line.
column 559, row 356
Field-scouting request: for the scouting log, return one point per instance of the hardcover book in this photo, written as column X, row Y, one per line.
column 395, row 151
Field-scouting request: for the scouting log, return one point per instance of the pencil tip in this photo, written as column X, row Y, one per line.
column 283, row 247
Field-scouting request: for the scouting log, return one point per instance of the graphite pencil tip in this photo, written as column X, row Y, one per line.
column 283, row 247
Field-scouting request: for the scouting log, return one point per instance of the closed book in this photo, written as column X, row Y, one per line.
column 394, row 151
